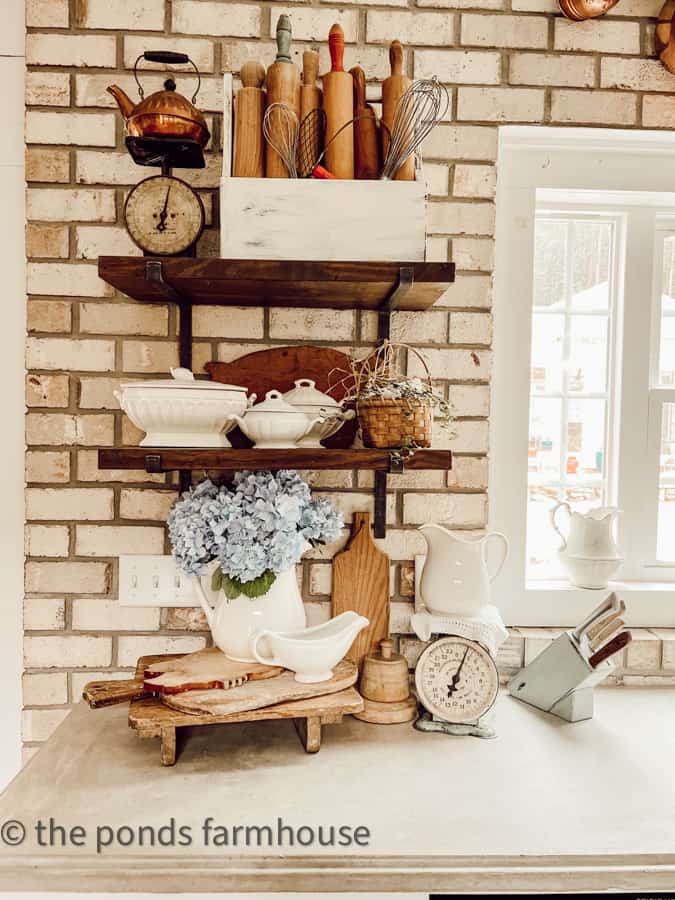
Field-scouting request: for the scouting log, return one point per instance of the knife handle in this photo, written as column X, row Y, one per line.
column 616, row 644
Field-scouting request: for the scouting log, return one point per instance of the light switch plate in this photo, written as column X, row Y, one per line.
column 154, row 581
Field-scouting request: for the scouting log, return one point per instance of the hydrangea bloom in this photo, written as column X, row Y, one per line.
column 258, row 528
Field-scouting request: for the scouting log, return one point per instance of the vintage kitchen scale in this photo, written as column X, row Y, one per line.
column 163, row 214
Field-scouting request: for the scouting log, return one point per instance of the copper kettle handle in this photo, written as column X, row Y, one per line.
column 169, row 57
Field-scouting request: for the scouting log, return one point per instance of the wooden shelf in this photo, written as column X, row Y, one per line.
column 168, row 459
column 238, row 282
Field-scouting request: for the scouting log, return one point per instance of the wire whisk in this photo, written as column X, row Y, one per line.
column 280, row 129
column 310, row 141
column 420, row 109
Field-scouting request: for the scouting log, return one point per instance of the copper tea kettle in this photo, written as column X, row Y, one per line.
column 164, row 113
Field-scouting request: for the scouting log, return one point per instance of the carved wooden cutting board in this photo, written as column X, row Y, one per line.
column 204, row 670
column 259, row 694
column 361, row 583
column 278, row 369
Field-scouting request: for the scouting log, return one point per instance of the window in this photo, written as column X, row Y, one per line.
column 583, row 394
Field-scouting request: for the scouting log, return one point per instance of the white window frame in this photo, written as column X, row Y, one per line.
column 535, row 165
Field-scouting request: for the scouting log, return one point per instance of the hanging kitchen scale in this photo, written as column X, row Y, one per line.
column 163, row 214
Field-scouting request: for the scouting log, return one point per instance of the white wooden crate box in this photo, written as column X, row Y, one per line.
column 292, row 218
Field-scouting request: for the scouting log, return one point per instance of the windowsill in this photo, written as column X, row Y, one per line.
column 621, row 586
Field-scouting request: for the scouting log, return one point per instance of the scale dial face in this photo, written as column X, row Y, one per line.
column 456, row 679
column 163, row 215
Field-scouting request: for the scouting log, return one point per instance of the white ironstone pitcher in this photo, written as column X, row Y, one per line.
column 590, row 535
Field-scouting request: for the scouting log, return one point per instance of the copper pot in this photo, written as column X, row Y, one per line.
column 579, row 10
column 164, row 113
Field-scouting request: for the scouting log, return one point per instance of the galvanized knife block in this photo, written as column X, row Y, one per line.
column 560, row 680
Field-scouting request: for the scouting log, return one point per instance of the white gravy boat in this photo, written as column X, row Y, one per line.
column 312, row 652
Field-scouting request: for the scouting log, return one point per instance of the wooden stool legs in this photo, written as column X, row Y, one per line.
column 309, row 732
column 168, row 751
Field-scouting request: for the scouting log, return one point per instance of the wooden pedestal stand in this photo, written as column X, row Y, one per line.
column 150, row 717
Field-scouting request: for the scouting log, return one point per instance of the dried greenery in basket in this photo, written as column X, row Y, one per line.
column 394, row 410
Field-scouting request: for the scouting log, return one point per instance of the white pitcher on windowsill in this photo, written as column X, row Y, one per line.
column 589, row 551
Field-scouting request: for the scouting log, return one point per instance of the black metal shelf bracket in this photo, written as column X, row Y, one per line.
column 396, row 467
column 154, row 272
column 406, row 279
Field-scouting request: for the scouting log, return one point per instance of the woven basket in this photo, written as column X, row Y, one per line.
column 388, row 424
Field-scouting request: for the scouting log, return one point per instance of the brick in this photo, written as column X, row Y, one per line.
column 45, row 689
column 210, row 17
column 116, row 540
column 463, row 437
column 47, row 89
column 131, row 436
column 471, row 328
column 47, row 241
column 47, row 540
column 551, row 68
column 84, row 504
column 658, row 112
column 144, row 504
column 456, row 365
column 99, row 614
column 644, row 651
column 44, row 614
column 229, row 322
column 505, row 31
column 121, row 15
column 98, row 393
column 667, row 637
column 461, row 218
column 597, row 37
column 423, row 28
column 65, row 280
column 314, row 24
column 51, row 467
column 88, row 470
column 469, row 292
column 312, row 324
column 459, row 510
column 131, row 648
column 437, row 179
column 68, row 577
column 47, row 13
column 649, row 9
column 67, row 651
column 510, row 654
column 91, row 90
column 461, row 142
column 474, row 181
column 40, row 724
column 470, row 399
column 459, row 66
column 71, row 205
column 593, row 107
column 149, row 356
column 105, row 167
column 500, row 104
column 59, row 428
column 92, row 241
column 228, row 352
column 468, row 473
column 123, row 318
column 349, row 503
column 199, row 50
column 462, row 4
column 48, row 165
column 186, row 618
column 544, row 6
column 49, row 315
column 635, row 75
column 70, row 50
column 412, row 649
column 410, row 327
column 78, row 680
column 76, row 355
column 473, row 254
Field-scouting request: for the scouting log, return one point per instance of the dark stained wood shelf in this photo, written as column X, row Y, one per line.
column 167, row 459
column 239, row 282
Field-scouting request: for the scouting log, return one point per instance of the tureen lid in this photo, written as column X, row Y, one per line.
column 273, row 403
column 184, row 378
column 306, row 393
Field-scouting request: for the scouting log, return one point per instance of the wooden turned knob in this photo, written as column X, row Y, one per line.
column 386, row 649
column 252, row 74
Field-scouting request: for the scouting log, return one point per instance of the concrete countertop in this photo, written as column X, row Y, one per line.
column 547, row 806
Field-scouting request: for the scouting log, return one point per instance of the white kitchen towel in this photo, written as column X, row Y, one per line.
column 487, row 627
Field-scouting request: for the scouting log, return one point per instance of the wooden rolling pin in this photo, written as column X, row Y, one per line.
column 366, row 138
column 338, row 103
column 393, row 89
column 283, row 86
column 310, row 93
column 249, row 109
